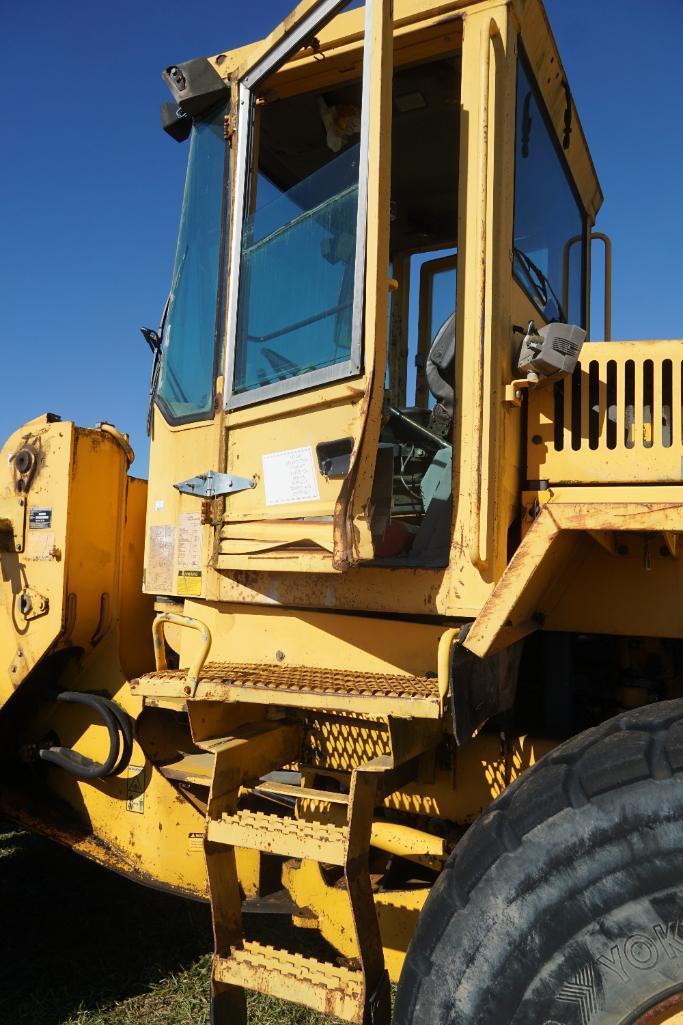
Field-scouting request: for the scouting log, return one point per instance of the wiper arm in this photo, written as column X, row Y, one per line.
column 540, row 281
column 153, row 339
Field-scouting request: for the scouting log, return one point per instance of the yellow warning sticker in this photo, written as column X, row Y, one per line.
column 189, row 583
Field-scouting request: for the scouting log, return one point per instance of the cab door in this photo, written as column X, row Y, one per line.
column 308, row 291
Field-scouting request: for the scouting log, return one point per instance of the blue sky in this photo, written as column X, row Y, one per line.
column 91, row 186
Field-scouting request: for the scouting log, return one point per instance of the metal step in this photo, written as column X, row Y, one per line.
column 287, row 837
column 293, row 793
column 324, row 987
column 301, row 687
column 190, row 768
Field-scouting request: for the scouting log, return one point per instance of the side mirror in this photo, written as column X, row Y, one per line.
column 551, row 351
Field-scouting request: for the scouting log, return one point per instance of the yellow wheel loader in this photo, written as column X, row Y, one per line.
column 389, row 644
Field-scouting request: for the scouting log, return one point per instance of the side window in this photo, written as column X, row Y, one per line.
column 549, row 224
column 298, row 251
column 189, row 338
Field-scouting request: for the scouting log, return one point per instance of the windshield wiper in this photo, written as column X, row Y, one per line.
column 541, row 283
column 155, row 340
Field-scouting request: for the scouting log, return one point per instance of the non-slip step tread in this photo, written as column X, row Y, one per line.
column 283, row 682
column 323, row 986
column 275, row 834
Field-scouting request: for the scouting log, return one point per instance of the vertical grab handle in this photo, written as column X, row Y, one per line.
column 475, row 546
column 197, row 664
column 595, row 236
column 607, row 242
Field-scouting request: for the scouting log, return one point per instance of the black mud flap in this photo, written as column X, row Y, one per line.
column 481, row 687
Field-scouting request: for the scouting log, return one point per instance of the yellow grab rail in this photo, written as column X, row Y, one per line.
column 160, row 652
column 446, row 642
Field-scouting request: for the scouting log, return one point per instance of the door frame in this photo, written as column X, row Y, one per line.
column 303, row 23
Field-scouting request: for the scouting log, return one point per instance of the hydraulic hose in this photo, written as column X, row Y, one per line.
column 126, row 726
column 118, row 726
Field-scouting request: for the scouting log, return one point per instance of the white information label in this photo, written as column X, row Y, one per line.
column 190, row 541
column 290, row 476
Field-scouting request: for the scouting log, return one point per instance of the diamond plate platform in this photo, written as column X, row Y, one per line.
column 302, row 687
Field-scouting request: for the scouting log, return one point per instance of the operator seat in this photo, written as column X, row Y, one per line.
column 439, row 370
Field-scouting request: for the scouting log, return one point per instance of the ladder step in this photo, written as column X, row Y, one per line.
column 324, row 987
column 398, row 695
column 297, row 793
column 289, row 838
column 190, row 768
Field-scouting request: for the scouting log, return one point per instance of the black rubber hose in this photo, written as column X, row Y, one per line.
column 71, row 761
column 126, row 725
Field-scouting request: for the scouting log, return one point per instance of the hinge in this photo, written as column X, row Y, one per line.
column 213, row 484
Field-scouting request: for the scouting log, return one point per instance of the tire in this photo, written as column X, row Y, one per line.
column 563, row 904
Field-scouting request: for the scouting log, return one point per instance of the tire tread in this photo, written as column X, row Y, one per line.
column 643, row 744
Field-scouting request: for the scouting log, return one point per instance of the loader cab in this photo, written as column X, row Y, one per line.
column 370, row 207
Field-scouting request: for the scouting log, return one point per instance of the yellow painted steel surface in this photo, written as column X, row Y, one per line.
column 306, row 654
column 570, row 570
column 618, row 420
column 250, row 558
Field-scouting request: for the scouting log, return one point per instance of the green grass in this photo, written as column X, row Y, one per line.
column 82, row 946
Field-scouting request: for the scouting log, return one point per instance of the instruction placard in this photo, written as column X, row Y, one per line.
column 189, row 541
column 290, row 476
column 160, row 553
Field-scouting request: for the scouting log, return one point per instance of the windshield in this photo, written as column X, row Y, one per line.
column 548, row 216
column 189, row 338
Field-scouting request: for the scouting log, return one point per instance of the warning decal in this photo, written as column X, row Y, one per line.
column 189, row 582
column 135, row 789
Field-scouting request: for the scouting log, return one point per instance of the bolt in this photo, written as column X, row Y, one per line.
column 280, row 655
column 537, row 439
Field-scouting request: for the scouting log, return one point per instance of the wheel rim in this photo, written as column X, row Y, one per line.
column 666, row 1012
